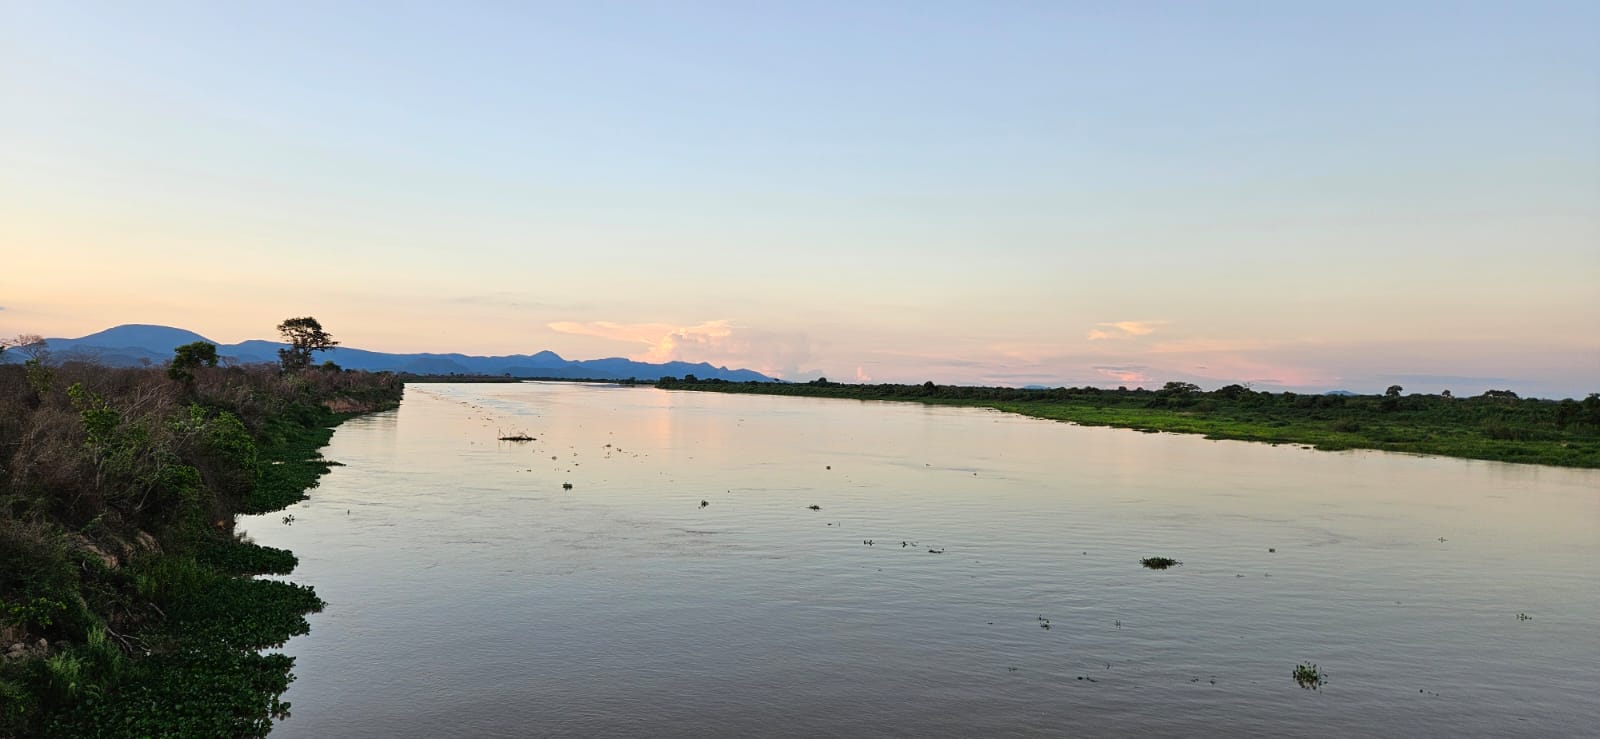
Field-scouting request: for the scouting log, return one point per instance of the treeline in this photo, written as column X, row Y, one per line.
column 1495, row 425
column 127, row 606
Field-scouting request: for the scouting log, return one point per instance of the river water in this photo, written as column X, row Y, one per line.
column 683, row 586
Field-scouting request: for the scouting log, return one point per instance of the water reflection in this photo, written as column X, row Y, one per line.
column 471, row 595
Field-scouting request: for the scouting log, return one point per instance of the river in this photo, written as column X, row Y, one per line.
column 685, row 586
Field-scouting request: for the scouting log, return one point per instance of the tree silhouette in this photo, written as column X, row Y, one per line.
column 305, row 335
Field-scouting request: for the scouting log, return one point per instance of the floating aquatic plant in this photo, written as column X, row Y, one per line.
column 1159, row 563
column 1309, row 676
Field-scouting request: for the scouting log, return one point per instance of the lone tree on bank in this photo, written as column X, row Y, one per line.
column 305, row 335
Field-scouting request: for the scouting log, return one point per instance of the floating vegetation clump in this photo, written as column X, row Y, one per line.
column 1309, row 676
column 1159, row 563
column 518, row 437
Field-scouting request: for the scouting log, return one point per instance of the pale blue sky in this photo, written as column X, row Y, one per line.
column 1294, row 194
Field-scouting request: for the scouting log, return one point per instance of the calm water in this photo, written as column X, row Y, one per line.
column 469, row 594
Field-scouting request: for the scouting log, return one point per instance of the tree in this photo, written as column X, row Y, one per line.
column 37, row 357
column 190, row 356
column 305, row 335
column 31, row 346
column 1567, row 411
column 1500, row 396
column 1591, row 408
column 1391, row 399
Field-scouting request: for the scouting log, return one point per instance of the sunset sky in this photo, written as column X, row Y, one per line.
column 1295, row 195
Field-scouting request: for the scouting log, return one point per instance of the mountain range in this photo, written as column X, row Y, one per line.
column 136, row 344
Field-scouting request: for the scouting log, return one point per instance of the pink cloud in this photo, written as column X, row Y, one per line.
column 718, row 342
column 1123, row 329
column 1124, row 374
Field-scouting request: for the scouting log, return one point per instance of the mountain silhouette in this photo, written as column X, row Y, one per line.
column 132, row 345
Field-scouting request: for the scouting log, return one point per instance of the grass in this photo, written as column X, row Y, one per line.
column 1495, row 426
column 117, row 498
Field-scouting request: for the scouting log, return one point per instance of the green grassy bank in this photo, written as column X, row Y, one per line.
column 127, row 602
column 1497, row 425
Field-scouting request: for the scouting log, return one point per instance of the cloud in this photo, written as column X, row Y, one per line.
column 862, row 376
column 664, row 339
column 718, row 342
column 1124, row 329
column 1126, row 373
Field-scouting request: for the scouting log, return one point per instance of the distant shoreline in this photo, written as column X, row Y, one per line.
column 439, row 379
column 1496, row 426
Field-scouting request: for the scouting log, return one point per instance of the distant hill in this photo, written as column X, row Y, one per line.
column 132, row 345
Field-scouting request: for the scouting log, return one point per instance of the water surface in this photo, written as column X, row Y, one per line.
column 470, row 594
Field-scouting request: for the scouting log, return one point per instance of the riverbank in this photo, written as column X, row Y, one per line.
column 1497, row 425
column 136, row 604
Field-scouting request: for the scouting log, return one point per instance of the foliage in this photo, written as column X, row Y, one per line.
column 1159, row 563
column 117, row 497
column 1497, row 425
column 305, row 335
column 1309, row 676
column 189, row 357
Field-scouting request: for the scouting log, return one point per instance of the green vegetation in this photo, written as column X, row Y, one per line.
column 1159, row 563
column 127, row 606
column 187, row 358
column 1309, row 676
column 1496, row 425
